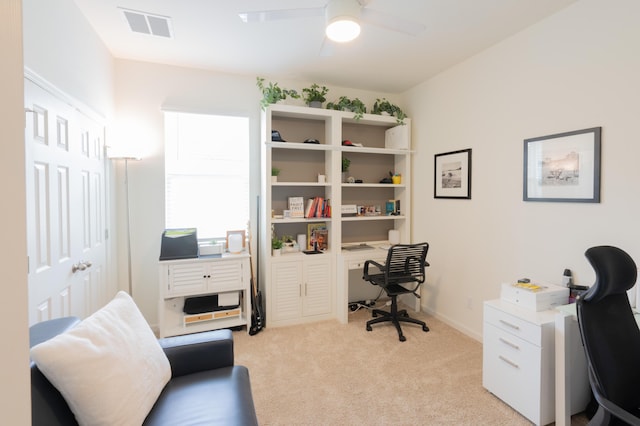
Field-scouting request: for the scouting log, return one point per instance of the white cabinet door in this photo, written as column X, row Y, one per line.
column 187, row 279
column 286, row 291
column 225, row 276
column 317, row 287
column 300, row 289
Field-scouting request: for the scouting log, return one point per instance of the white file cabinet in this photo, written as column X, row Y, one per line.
column 519, row 359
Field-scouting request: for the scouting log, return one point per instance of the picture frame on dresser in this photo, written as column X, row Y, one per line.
column 452, row 174
column 563, row 167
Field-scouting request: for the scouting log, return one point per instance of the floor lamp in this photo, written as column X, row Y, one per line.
column 128, row 215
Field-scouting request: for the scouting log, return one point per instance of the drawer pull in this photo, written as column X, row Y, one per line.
column 508, row 361
column 508, row 343
column 508, row 324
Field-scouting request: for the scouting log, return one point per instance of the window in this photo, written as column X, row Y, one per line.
column 206, row 173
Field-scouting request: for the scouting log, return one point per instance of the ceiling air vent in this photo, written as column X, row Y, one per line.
column 147, row 23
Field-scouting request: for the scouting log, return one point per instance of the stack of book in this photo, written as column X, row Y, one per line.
column 317, row 207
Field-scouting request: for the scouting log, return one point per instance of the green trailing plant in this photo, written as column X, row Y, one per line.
column 345, row 104
column 314, row 93
column 273, row 93
column 275, row 171
column 345, row 164
column 383, row 105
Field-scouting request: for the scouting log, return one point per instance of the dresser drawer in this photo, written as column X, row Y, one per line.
column 525, row 330
column 511, row 370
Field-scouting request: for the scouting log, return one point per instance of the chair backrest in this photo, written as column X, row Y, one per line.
column 406, row 263
column 610, row 334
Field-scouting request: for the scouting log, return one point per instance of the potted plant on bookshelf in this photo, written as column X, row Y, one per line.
column 272, row 93
column 384, row 107
column 274, row 174
column 345, row 168
column 276, row 246
column 315, row 95
column 288, row 244
column 345, row 104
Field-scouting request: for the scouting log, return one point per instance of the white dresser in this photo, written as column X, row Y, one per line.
column 519, row 359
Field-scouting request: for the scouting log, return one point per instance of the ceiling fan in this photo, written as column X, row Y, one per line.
column 345, row 14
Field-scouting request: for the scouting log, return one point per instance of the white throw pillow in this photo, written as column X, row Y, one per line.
column 110, row 368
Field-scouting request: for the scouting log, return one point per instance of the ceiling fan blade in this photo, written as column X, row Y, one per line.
column 276, row 15
column 391, row 22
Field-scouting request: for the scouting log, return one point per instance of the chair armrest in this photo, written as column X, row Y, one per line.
column 365, row 270
column 192, row 353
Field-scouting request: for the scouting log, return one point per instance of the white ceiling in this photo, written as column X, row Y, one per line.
column 208, row 34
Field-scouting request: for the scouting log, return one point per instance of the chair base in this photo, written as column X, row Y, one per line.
column 395, row 317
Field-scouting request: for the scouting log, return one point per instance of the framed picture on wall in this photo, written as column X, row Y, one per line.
column 564, row 167
column 452, row 175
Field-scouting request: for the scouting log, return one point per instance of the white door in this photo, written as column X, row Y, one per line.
column 66, row 208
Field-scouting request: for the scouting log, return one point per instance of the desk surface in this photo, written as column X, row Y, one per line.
column 570, row 310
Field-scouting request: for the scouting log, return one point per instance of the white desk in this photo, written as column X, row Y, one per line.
column 572, row 380
column 354, row 260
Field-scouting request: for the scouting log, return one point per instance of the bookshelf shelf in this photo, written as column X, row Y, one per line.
column 300, row 164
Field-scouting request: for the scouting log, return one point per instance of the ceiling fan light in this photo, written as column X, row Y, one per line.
column 343, row 29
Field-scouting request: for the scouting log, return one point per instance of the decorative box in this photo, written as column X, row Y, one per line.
column 397, row 137
column 547, row 296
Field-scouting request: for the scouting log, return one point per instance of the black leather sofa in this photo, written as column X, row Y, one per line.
column 206, row 387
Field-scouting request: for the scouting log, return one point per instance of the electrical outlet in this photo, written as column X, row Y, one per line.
column 469, row 303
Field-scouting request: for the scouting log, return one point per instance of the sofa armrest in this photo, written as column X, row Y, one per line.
column 192, row 353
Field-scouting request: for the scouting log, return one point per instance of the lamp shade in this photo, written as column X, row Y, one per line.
column 342, row 20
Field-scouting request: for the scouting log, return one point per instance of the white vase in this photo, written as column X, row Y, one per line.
column 274, row 179
column 277, row 252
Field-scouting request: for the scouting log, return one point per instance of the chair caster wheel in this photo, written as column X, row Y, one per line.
column 425, row 328
column 402, row 338
column 368, row 328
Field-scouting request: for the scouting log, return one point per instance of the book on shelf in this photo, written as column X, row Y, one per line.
column 317, row 236
column 296, row 206
column 390, row 208
column 317, row 207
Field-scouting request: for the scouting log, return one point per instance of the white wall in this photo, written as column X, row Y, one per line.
column 61, row 46
column 142, row 89
column 577, row 69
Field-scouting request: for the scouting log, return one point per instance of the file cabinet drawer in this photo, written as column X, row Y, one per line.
column 512, row 324
column 511, row 370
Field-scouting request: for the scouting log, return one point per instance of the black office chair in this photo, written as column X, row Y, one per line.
column 611, row 337
column 403, row 272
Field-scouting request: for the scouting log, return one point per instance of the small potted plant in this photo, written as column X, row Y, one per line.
column 276, row 246
column 272, row 93
column 288, row 244
column 315, row 95
column 345, row 168
column 274, row 174
column 345, row 104
column 383, row 106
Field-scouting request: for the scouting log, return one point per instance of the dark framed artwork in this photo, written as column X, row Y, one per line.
column 452, row 175
column 564, row 167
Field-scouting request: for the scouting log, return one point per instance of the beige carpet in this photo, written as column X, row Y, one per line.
column 332, row 374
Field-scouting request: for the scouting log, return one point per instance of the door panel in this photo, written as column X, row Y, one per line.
column 65, row 208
